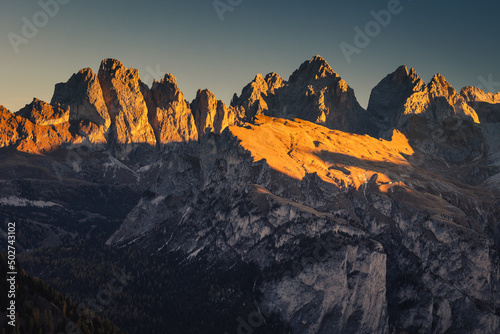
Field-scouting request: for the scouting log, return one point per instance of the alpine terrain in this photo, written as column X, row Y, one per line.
column 291, row 210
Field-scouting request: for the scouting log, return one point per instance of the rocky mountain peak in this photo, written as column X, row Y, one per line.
column 314, row 69
column 83, row 95
column 121, row 88
column 403, row 94
column 439, row 86
column 169, row 113
column 204, row 108
column 115, row 68
column 474, row 94
column 407, row 77
column 274, row 81
column 253, row 96
column 167, row 90
column 392, row 96
column 8, row 124
column 487, row 107
column 42, row 113
column 212, row 115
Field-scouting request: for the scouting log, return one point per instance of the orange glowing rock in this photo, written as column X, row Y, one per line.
column 297, row 147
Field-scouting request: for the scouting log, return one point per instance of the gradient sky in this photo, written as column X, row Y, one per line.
column 459, row 39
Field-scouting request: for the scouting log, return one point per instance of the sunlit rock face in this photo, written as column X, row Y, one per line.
column 403, row 94
column 487, row 105
column 8, row 125
column 82, row 94
column 43, row 128
column 169, row 113
column 125, row 104
column 213, row 115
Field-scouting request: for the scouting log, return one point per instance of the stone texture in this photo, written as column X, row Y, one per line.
column 390, row 97
column 314, row 93
column 8, row 127
column 126, row 105
column 487, row 105
column 403, row 94
column 212, row 115
column 42, row 113
column 83, row 95
column 169, row 113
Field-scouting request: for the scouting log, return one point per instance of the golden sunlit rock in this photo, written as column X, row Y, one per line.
column 297, row 147
column 125, row 103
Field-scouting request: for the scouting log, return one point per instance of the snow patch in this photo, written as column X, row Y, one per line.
column 22, row 202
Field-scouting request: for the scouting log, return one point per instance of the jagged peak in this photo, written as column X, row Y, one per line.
column 259, row 79
column 43, row 113
column 203, row 96
column 36, row 103
column 4, row 110
column 404, row 74
column 87, row 72
column 255, row 87
column 475, row 94
column 273, row 81
column 204, row 92
column 111, row 66
column 170, row 78
column 316, row 68
column 440, row 86
column 439, row 79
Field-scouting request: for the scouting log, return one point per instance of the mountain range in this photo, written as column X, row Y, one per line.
column 292, row 210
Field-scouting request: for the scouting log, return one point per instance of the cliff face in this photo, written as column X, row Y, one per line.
column 125, row 104
column 9, row 124
column 403, row 94
column 213, row 115
column 83, row 95
column 170, row 113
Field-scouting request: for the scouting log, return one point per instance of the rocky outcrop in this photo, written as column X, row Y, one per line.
column 487, row 105
column 42, row 113
column 42, row 139
column 314, row 93
column 390, row 97
column 169, row 113
column 82, row 94
column 403, row 94
column 43, row 128
column 212, row 115
column 8, row 125
column 258, row 97
column 126, row 105
column 446, row 102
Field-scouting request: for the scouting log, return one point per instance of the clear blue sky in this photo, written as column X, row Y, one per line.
column 459, row 39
